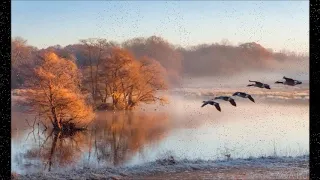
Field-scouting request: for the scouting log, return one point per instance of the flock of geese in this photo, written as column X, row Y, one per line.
column 287, row 81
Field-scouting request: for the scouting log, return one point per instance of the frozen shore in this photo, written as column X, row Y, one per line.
column 251, row 168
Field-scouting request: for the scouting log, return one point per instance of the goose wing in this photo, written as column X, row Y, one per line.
column 204, row 103
column 257, row 82
column 288, row 79
column 217, row 107
column 235, row 94
column 251, row 98
column 232, row 102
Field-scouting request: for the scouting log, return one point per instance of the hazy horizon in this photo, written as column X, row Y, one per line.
column 106, row 89
column 276, row 25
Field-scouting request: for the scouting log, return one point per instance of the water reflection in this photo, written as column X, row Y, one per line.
column 182, row 129
column 56, row 149
column 112, row 140
column 125, row 134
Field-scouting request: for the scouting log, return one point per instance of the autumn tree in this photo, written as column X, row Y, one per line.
column 95, row 50
column 160, row 50
column 22, row 60
column 60, row 51
column 129, row 81
column 54, row 94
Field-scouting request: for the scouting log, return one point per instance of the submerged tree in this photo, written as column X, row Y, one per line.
column 53, row 92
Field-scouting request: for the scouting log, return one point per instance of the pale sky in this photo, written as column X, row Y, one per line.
column 273, row 24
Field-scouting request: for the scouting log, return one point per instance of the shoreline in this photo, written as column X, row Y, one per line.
column 251, row 168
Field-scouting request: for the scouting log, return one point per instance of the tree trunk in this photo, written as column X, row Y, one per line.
column 130, row 102
column 53, row 148
column 114, row 102
column 56, row 123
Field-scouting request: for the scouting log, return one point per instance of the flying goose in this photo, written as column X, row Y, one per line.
column 289, row 82
column 212, row 103
column 259, row 84
column 243, row 95
column 227, row 98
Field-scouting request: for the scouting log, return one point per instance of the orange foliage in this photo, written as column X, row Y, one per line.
column 53, row 92
column 129, row 81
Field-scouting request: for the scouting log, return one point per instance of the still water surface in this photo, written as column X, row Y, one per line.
column 181, row 129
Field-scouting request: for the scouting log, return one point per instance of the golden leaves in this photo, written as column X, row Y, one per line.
column 53, row 91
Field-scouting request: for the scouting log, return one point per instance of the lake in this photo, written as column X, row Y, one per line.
column 277, row 124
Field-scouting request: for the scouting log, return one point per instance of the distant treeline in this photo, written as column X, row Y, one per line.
column 201, row 60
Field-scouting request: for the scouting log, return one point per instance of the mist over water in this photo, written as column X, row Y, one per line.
column 273, row 72
column 277, row 124
column 133, row 70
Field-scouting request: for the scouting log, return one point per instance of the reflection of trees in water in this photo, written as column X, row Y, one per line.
column 124, row 134
column 115, row 139
column 59, row 148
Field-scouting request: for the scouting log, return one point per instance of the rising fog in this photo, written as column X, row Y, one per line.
column 200, row 66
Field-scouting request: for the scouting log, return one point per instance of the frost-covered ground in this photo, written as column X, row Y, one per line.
column 251, row 168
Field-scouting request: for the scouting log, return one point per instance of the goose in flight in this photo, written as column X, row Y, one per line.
column 259, row 84
column 212, row 103
column 289, row 82
column 227, row 98
column 243, row 95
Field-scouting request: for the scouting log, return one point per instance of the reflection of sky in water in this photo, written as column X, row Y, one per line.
column 247, row 130
column 250, row 129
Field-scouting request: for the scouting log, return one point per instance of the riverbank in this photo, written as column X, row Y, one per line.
column 251, row 168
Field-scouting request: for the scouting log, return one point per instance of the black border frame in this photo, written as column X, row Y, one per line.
column 5, row 97
column 5, row 85
column 314, row 88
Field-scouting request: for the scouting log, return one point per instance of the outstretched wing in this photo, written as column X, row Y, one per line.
column 204, row 103
column 250, row 97
column 232, row 102
column 257, row 82
column 217, row 107
column 288, row 79
column 235, row 94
